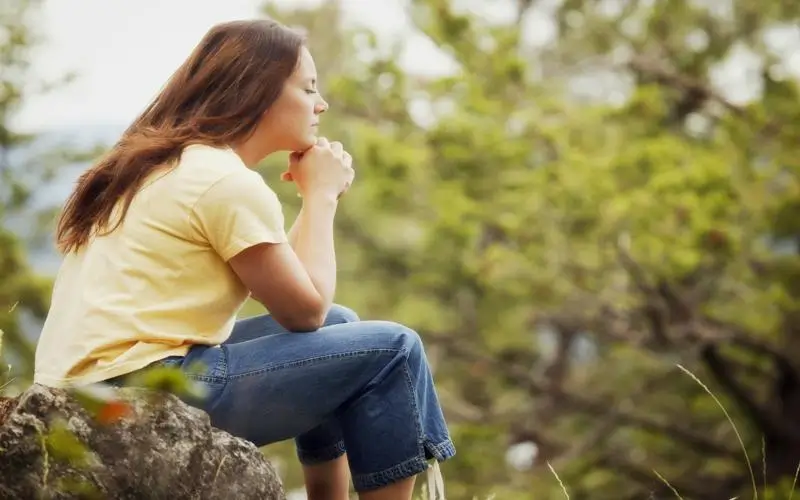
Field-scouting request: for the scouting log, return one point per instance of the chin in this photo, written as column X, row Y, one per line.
column 295, row 146
column 306, row 143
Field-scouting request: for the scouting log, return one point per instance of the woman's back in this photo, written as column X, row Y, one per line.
column 160, row 281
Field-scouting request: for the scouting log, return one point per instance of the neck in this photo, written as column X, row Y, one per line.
column 252, row 153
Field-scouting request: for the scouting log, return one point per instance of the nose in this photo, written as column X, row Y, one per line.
column 321, row 107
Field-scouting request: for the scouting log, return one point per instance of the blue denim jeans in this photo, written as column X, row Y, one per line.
column 360, row 387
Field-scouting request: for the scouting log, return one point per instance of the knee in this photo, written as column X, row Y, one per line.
column 339, row 314
column 406, row 338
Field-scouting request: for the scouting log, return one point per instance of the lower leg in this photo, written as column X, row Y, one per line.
column 328, row 480
column 401, row 490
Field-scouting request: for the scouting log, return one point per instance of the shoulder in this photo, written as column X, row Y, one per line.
column 201, row 159
column 236, row 208
column 224, row 184
column 210, row 172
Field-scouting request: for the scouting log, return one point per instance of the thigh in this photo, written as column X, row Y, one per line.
column 254, row 327
column 280, row 386
column 264, row 324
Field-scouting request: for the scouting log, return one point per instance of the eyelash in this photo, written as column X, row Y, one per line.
column 311, row 91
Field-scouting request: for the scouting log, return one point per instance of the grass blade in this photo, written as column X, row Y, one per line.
column 563, row 488
column 663, row 480
column 735, row 430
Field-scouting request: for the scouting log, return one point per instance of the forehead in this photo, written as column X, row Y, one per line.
column 306, row 69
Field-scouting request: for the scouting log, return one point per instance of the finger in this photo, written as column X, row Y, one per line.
column 337, row 147
column 348, row 160
column 346, row 187
column 295, row 158
column 323, row 142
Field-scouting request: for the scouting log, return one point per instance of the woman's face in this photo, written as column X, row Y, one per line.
column 291, row 122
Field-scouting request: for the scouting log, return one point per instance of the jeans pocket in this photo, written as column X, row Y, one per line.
column 206, row 363
column 206, row 369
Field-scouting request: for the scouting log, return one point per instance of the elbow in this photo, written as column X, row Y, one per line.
column 309, row 318
column 302, row 321
column 303, row 324
column 305, row 313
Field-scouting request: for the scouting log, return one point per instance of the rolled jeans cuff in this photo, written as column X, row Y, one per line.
column 313, row 457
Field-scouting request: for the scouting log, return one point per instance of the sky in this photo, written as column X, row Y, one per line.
column 123, row 51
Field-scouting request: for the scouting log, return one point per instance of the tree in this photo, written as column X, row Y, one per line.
column 22, row 290
column 571, row 221
column 27, row 162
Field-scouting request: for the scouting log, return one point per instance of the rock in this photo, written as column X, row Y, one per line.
column 52, row 447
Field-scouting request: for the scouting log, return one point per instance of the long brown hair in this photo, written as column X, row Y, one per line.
column 216, row 97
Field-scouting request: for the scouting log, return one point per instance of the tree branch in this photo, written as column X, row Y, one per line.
column 392, row 262
column 723, row 374
column 648, row 479
column 579, row 403
column 605, row 425
column 673, row 78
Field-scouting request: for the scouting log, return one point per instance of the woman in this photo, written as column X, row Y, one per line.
column 168, row 235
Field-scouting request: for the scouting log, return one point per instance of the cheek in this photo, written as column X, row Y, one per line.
column 305, row 106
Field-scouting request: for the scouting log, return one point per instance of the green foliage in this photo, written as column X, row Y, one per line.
column 78, row 488
column 26, row 164
column 562, row 242
column 106, row 406
column 22, row 290
column 170, row 379
column 61, row 444
column 563, row 223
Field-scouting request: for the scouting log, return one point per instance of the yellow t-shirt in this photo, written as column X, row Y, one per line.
column 160, row 282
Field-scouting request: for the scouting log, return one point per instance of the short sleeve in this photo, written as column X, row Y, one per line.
column 237, row 212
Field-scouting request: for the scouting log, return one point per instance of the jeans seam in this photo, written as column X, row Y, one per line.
column 444, row 450
column 223, row 381
column 414, row 407
column 205, row 378
column 224, row 361
column 308, row 361
column 216, row 379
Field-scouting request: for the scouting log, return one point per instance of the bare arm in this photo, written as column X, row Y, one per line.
column 295, row 281
column 312, row 239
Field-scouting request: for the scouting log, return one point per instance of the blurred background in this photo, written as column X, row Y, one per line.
column 590, row 210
